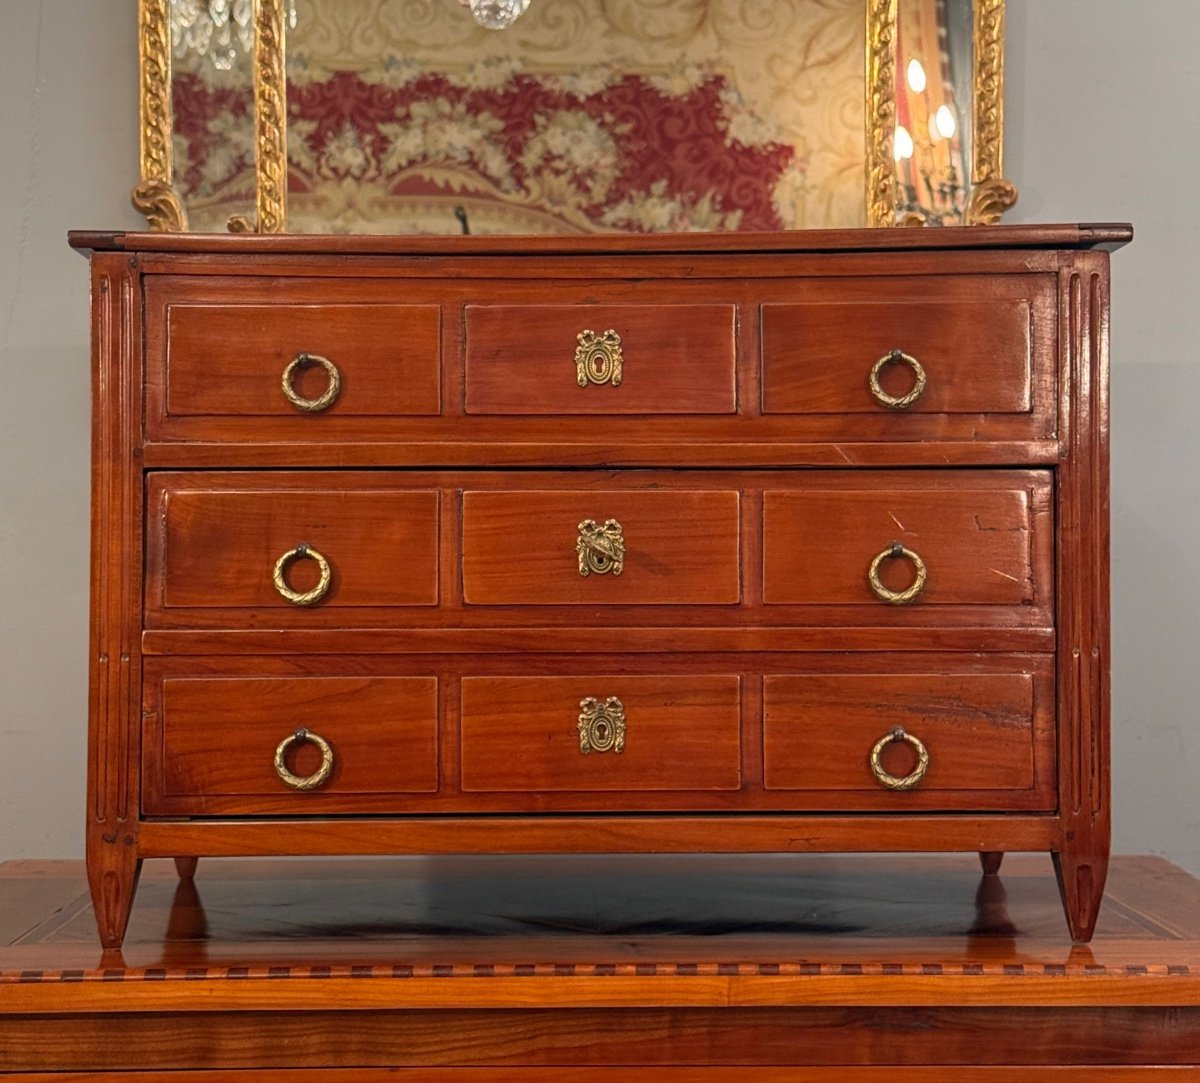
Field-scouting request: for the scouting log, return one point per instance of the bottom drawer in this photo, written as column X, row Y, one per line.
column 233, row 744
column 802, row 732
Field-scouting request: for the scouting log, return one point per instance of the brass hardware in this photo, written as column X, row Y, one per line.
column 154, row 195
column 892, row 402
column 601, row 725
column 323, row 401
column 991, row 194
column 880, row 111
column 601, row 549
column 889, row 781
column 893, row 597
column 318, row 592
column 598, row 358
column 308, row 782
column 270, row 116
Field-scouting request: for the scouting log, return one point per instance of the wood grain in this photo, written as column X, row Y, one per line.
column 980, row 545
column 227, row 358
column 520, row 734
column 216, row 737
column 681, row 548
column 974, row 337
column 214, row 544
column 677, row 359
column 980, row 730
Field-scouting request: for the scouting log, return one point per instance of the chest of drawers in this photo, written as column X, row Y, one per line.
column 705, row 543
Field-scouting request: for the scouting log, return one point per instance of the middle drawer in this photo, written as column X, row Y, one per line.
column 487, row 549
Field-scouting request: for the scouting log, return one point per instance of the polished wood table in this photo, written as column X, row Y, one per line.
column 566, row 969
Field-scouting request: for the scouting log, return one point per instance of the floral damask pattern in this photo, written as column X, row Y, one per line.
column 620, row 154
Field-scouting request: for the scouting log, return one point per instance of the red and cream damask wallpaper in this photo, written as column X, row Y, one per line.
column 584, row 116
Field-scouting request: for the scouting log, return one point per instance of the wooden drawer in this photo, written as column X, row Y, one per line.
column 215, row 540
column 521, row 547
column 982, row 538
column 983, row 733
column 228, row 359
column 674, row 359
column 526, row 734
column 982, row 344
column 213, row 740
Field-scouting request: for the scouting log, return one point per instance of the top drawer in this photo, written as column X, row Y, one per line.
column 753, row 367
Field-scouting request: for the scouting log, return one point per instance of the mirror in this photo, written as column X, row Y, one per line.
column 409, row 116
column 949, row 113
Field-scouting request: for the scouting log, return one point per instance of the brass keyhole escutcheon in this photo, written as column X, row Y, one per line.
column 598, row 358
column 897, row 597
column 601, row 725
column 600, row 549
column 897, row 402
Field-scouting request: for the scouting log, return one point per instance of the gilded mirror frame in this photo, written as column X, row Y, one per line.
column 156, row 198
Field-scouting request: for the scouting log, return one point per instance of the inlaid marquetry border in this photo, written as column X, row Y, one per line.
column 459, row 971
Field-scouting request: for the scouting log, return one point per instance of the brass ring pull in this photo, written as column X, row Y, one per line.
column 601, row 725
column 893, row 597
column 598, row 358
column 323, row 402
column 600, row 549
column 308, row 782
column 310, row 597
column 892, row 402
column 890, row 781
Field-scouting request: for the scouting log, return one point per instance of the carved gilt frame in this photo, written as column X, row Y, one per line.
column 158, row 200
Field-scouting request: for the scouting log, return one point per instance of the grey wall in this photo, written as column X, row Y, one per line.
column 68, row 158
column 1102, row 125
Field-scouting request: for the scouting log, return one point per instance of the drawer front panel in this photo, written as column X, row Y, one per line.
column 673, row 359
column 981, row 732
column 970, row 543
column 218, row 548
column 974, row 341
column 527, row 734
column 217, row 738
column 523, row 547
column 229, row 360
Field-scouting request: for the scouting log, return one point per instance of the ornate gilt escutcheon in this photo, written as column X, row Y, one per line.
column 601, row 725
column 601, row 549
column 598, row 358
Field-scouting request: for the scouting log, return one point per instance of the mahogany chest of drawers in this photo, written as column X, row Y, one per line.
column 787, row 542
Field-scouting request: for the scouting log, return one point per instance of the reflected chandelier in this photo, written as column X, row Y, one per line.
column 218, row 29
column 496, row 14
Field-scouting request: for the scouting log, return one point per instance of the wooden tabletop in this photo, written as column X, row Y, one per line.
column 605, row 931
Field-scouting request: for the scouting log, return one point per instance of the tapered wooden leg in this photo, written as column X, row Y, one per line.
column 186, row 867
column 990, row 860
column 113, row 871
column 1081, row 882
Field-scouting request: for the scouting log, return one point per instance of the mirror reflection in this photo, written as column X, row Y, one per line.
column 570, row 116
column 409, row 116
column 932, row 144
column 212, row 105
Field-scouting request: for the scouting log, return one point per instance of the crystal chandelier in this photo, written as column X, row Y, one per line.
column 218, row 29
column 496, row 14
